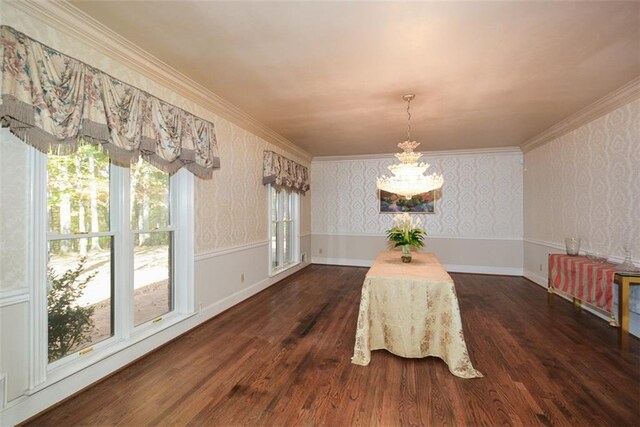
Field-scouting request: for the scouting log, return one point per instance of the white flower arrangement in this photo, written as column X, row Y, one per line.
column 406, row 231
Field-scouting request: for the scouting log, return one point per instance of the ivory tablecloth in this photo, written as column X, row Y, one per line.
column 411, row 310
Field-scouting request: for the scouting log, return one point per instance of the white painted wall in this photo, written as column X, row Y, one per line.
column 587, row 184
column 477, row 226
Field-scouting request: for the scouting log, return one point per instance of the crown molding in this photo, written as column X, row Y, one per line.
column 614, row 100
column 442, row 153
column 71, row 21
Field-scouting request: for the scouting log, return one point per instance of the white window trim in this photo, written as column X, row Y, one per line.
column 41, row 373
column 295, row 214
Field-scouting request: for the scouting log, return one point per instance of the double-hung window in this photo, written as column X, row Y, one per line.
column 152, row 232
column 80, row 252
column 284, row 229
column 111, row 274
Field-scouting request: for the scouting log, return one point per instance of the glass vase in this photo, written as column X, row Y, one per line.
column 573, row 245
column 406, row 253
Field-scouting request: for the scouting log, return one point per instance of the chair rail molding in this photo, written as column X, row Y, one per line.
column 71, row 21
column 229, row 250
column 14, row 296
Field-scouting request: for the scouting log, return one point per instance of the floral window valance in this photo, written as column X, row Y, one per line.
column 52, row 101
column 284, row 173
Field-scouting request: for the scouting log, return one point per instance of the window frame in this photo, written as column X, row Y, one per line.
column 125, row 334
column 294, row 221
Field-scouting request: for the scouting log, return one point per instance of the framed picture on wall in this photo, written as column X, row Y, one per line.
column 420, row 203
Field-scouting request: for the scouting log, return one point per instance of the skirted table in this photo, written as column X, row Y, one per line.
column 412, row 311
column 584, row 280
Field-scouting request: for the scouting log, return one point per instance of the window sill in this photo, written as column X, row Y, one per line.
column 103, row 350
column 284, row 268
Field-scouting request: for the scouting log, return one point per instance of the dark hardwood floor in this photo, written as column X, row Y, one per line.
column 283, row 358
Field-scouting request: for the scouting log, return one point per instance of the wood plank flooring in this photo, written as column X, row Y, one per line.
column 283, row 358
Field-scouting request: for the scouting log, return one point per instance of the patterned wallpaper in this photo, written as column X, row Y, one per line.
column 587, row 184
column 14, row 204
column 481, row 196
column 231, row 208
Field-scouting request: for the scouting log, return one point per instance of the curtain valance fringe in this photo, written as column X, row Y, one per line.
column 282, row 172
column 54, row 102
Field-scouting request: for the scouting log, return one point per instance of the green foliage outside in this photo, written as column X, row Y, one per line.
column 78, row 199
column 79, row 203
column 70, row 325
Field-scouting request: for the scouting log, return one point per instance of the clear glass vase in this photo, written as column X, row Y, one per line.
column 406, row 253
column 627, row 264
column 573, row 245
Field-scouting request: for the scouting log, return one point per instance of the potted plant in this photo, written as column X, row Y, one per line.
column 406, row 232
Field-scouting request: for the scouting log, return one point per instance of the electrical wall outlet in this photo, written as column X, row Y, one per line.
column 540, row 267
column 303, row 257
column 242, row 278
column 320, row 251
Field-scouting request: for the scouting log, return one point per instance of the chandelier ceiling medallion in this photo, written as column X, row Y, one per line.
column 409, row 177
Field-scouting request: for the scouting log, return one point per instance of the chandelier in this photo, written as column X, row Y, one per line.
column 409, row 176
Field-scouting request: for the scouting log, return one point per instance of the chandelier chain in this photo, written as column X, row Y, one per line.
column 408, row 120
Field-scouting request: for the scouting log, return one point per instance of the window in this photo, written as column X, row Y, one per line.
column 152, row 243
column 80, row 248
column 284, row 229
column 109, row 275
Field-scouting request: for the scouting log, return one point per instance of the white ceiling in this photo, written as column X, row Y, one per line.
column 329, row 76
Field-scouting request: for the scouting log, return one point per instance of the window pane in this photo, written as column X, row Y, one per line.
column 149, row 197
column 274, row 204
column 287, row 242
column 286, row 205
column 79, row 295
column 152, row 276
column 78, row 192
column 274, row 244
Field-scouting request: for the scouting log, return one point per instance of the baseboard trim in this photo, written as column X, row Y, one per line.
column 218, row 307
column 27, row 406
column 543, row 282
column 536, row 278
column 483, row 269
column 342, row 261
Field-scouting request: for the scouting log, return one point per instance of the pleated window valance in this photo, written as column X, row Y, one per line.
column 284, row 173
column 51, row 101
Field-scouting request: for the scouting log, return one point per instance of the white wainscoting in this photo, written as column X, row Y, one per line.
column 219, row 275
column 3, row 391
column 217, row 286
column 536, row 269
column 461, row 255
